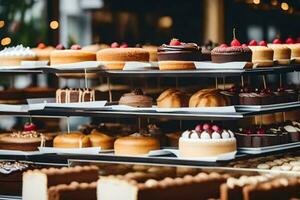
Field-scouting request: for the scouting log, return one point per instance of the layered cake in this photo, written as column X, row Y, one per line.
column 282, row 54
column 178, row 55
column 100, row 139
column 43, row 52
column 172, row 98
column 71, row 140
column 262, row 56
column 73, row 55
column 13, row 56
column 75, row 95
column 36, row 183
column 115, row 58
column 206, row 141
column 136, row 98
column 208, row 98
column 24, row 140
column 136, row 144
column 200, row 186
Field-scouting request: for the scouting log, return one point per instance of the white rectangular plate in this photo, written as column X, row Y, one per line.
column 259, row 150
column 79, row 65
column 81, row 105
column 19, row 153
column 218, row 66
column 87, row 150
column 130, row 108
column 140, row 66
column 266, row 107
column 225, row 109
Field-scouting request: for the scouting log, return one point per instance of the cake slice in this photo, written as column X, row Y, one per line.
column 37, row 182
column 73, row 191
column 201, row 186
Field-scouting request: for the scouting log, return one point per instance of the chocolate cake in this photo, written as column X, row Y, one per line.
column 37, row 182
column 256, row 97
column 75, row 95
column 136, row 98
column 223, row 54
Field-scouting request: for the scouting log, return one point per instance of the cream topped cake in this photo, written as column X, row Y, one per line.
column 206, row 141
column 12, row 56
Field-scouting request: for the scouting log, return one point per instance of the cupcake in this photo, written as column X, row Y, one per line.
column 136, row 98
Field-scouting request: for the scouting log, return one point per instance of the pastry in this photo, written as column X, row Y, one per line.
column 73, row 55
column 24, row 140
column 43, row 52
column 36, row 183
column 99, row 139
column 135, row 144
column 115, row 58
column 172, row 98
column 71, row 140
column 152, row 52
column 206, row 141
column 178, row 55
column 262, row 56
column 136, row 98
column 13, row 56
column 208, row 98
column 282, row 54
column 75, row 95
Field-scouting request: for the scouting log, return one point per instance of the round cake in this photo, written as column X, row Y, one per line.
column 223, row 54
column 43, row 52
column 13, row 56
column 71, row 140
column 208, row 98
column 172, row 98
column 282, row 54
column 262, row 56
column 178, row 55
column 295, row 52
column 206, row 141
column 115, row 58
column 71, row 56
column 99, row 139
column 135, row 144
column 136, row 98
column 24, row 140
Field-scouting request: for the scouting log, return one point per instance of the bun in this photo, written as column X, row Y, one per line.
column 172, row 98
column 71, row 140
column 208, row 98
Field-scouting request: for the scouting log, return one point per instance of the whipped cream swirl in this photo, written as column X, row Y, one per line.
column 18, row 50
column 205, row 135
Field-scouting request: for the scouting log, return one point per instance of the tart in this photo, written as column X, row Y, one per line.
column 136, row 98
column 206, row 141
column 172, row 98
column 136, row 144
column 178, row 55
column 13, row 56
column 71, row 140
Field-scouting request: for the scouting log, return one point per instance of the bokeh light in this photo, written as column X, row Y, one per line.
column 54, row 24
column 165, row 22
column 5, row 41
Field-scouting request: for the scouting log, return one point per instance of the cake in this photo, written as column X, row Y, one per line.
column 13, row 56
column 178, row 55
column 43, row 52
column 36, row 183
column 282, row 54
column 100, row 139
column 71, row 140
column 73, row 55
column 75, row 95
column 172, row 98
column 24, row 140
column 206, row 141
column 208, row 98
column 136, row 98
column 152, row 52
column 201, row 186
column 115, row 58
column 262, row 56
column 74, row 191
column 295, row 52
column 136, row 144
column 223, row 54
column 256, row 97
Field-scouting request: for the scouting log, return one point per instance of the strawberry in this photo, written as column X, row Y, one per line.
column 289, row 41
column 41, row 46
column 30, row 127
column 277, row 41
column 115, row 45
column 235, row 42
column 263, row 43
column 175, row 42
column 253, row 43
column 75, row 47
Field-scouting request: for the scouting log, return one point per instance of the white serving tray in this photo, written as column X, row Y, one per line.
column 130, row 108
column 86, row 150
column 19, row 153
column 225, row 109
column 266, row 107
column 82, row 105
column 259, row 150
column 220, row 66
column 140, row 66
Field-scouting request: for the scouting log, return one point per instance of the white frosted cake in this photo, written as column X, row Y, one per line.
column 12, row 56
column 206, row 141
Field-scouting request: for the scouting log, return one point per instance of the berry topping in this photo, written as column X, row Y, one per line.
column 41, row 46
column 115, row 45
column 223, row 45
column 277, row 41
column 124, row 45
column 253, row 43
column 263, row 43
column 75, row 47
column 199, row 128
column 235, row 42
column 60, row 47
column 289, row 41
column 260, row 131
column 216, row 128
column 206, row 127
column 29, row 127
column 175, row 42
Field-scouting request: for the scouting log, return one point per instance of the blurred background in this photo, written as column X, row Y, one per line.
column 30, row 22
